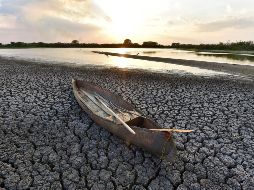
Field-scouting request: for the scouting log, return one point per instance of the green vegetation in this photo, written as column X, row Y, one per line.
column 233, row 56
column 234, row 46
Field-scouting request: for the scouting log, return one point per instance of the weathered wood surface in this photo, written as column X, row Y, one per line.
column 122, row 119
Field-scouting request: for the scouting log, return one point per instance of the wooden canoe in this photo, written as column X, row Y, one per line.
column 148, row 134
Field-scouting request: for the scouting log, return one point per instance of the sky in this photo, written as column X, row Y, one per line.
column 112, row 21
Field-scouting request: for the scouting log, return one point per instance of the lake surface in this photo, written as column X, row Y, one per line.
column 85, row 57
column 241, row 58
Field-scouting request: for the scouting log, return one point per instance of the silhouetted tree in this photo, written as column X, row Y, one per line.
column 127, row 42
column 136, row 45
column 150, row 44
column 75, row 42
column 175, row 44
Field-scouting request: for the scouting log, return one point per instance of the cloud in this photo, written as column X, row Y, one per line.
column 178, row 21
column 7, row 21
column 106, row 20
column 74, row 10
column 63, row 29
column 231, row 22
column 51, row 20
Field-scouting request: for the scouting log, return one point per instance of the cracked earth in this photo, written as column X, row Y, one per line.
column 48, row 142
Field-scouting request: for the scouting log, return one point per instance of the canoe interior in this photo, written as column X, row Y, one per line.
column 143, row 123
column 87, row 93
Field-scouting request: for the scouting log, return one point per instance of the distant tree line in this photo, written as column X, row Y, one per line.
column 75, row 44
column 240, row 46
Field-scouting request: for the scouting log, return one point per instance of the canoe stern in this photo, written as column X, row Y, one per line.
column 164, row 146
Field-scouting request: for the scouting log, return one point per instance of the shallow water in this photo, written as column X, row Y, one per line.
column 85, row 56
column 225, row 57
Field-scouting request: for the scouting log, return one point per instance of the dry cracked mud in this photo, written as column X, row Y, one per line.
column 48, row 142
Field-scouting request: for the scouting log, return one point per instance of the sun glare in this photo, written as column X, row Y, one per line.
column 121, row 28
column 125, row 19
column 123, row 25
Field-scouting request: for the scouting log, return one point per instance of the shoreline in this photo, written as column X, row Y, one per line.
column 221, row 67
column 130, row 71
column 49, row 142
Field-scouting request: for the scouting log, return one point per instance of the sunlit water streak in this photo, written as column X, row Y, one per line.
column 85, row 57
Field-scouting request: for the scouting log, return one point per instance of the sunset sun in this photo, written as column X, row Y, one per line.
column 125, row 20
column 122, row 27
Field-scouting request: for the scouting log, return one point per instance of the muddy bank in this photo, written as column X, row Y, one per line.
column 222, row 67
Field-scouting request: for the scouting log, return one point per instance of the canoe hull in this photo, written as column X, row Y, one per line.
column 156, row 142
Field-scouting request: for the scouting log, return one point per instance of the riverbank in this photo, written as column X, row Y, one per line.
column 47, row 141
column 235, row 69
